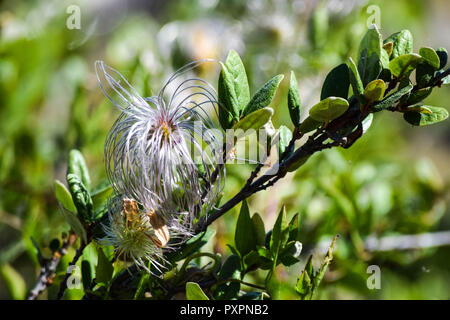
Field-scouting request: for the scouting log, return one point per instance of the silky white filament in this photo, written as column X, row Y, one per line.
column 163, row 150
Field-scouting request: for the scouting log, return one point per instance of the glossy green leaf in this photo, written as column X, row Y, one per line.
column 230, row 270
column 228, row 101
column 64, row 197
column 355, row 81
column 240, row 83
column 253, row 121
column 336, row 83
column 194, row 292
column 423, row 119
column 371, row 42
column 424, row 74
column 402, row 43
column 443, row 57
column 403, row 65
column 291, row 253
column 304, row 285
column 367, row 122
column 258, row 229
column 369, row 55
column 294, row 103
column 419, row 95
column 329, row 109
column 77, row 166
column 104, row 269
column 308, row 125
column 294, row 228
column 284, row 138
column 88, row 263
column 101, row 196
column 388, row 47
column 374, row 91
column 264, row 96
column 392, row 99
column 244, row 237
column 280, row 233
column 430, row 56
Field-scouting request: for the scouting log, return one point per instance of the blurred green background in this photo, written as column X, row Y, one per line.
column 394, row 181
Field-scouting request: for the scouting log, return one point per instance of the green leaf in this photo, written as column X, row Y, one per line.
column 294, row 103
column 294, row 228
column 424, row 74
column 355, row 81
column 280, row 234
column 75, row 224
column 309, row 268
column 420, row 109
column 194, row 292
column 231, row 269
column 258, row 229
column 285, row 137
column 291, row 253
column 443, row 57
column 264, row 96
column 402, row 43
column 240, row 86
column 64, row 197
column 191, row 246
column 13, row 281
column 81, row 197
column 309, row 124
column 367, row 122
column 244, row 237
column 304, row 285
column 388, row 47
column 336, row 83
column 228, row 102
column 329, row 109
column 369, row 55
column 265, row 258
column 371, row 42
column 233, row 90
column 391, row 99
column 422, row 119
column 100, row 197
column 88, row 263
column 403, row 65
column 77, row 166
column 374, row 91
column 430, row 56
column 384, row 59
column 253, row 121
column 104, row 270
column 419, row 95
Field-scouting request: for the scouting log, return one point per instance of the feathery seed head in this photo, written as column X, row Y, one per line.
column 157, row 145
column 135, row 235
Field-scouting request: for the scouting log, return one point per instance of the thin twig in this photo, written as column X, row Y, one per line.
column 63, row 285
column 49, row 267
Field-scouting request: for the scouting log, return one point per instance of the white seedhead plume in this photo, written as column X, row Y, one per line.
column 164, row 150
